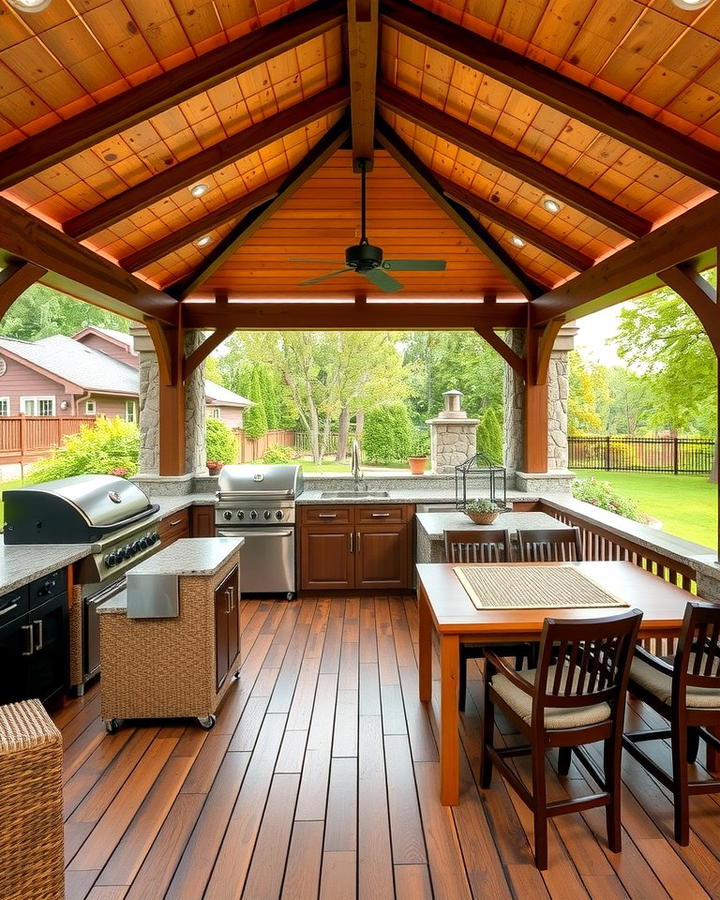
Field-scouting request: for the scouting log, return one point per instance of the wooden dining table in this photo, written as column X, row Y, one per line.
column 445, row 607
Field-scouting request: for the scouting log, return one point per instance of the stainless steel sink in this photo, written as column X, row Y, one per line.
column 360, row 495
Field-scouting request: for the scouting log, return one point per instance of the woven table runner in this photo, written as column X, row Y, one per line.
column 532, row 587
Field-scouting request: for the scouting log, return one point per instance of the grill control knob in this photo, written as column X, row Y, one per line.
column 137, row 546
column 279, row 514
column 253, row 514
column 154, row 537
column 241, row 514
column 144, row 542
column 227, row 515
column 129, row 551
column 110, row 560
column 267, row 514
column 120, row 554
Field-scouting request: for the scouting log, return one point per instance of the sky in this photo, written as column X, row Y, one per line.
column 592, row 338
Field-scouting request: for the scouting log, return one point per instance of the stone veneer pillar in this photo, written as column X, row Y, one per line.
column 557, row 477
column 452, row 436
column 149, row 463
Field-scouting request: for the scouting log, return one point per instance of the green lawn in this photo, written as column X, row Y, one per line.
column 685, row 504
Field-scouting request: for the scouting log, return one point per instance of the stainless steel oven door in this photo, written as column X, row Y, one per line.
column 93, row 595
column 267, row 560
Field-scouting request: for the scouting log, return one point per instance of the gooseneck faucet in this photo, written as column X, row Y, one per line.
column 355, row 464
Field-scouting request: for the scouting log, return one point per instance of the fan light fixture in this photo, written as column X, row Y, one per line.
column 551, row 205
column 517, row 241
column 29, row 6
column 199, row 190
column 690, row 5
column 204, row 241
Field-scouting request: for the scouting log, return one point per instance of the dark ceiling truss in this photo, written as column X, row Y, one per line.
column 557, row 91
column 15, row 278
column 512, row 161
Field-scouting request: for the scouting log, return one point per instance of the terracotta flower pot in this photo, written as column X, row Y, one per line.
column 482, row 518
column 417, row 464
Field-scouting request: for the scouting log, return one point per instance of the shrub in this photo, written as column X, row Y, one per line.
column 219, row 442
column 420, row 444
column 388, row 433
column 490, row 438
column 107, row 447
column 277, row 455
column 604, row 495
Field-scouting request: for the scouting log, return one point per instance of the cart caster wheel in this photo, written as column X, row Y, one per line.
column 290, row 595
column 207, row 722
column 112, row 726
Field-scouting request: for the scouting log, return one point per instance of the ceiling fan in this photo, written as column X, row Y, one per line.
column 367, row 260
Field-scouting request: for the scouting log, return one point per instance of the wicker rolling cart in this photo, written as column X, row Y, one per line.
column 182, row 666
column 31, row 804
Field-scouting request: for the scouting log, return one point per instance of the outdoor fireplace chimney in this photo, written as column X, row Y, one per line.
column 452, row 435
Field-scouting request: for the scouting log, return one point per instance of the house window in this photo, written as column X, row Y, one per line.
column 37, row 406
column 4, row 406
column 90, row 408
column 130, row 411
column 214, row 412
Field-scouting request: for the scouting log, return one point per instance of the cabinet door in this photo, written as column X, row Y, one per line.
column 173, row 527
column 326, row 557
column 233, row 587
column 203, row 521
column 15, row 649
column 381, row 557
column 222, row 636
column 48, row 663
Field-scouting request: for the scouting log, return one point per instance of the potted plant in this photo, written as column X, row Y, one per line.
column 213, row 466
column 419, row 453
column 482, row 512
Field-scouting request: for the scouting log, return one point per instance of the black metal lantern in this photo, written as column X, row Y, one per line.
column 476, row 476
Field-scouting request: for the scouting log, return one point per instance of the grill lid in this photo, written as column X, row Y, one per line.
column 251, row 480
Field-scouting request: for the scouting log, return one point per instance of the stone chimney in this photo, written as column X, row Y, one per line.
column 452, row 435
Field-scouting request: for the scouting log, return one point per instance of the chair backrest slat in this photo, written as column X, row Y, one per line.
column 550, row 544
column 697, row 658
column 484, row 546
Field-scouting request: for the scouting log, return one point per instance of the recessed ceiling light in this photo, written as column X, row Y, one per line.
column 29, row 6
column 517, row 241
column 691, row 4
column 204, row 241
column 551, row 205
column 198, row 190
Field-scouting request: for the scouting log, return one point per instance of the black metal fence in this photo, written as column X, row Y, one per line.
column 678, row 456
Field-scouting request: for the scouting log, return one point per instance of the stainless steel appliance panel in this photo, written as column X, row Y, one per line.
column 152, row 596
column 94, row 595
column 267, row 560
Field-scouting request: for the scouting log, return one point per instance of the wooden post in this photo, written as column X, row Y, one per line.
column 535, row 427
column 169, row 343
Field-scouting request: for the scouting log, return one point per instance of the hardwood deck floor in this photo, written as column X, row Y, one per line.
column 320, row 779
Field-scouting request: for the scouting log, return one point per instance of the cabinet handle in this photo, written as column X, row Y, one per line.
column 327, row 515
column 380, row 515
column 29, row 629
column 176, row 522
column 231, row 591
column 358, row 541
column 39, row 642
column 228, row 602
column 8, row 609
column 352, row 549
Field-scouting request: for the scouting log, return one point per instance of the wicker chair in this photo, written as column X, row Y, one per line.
column 487, row 546
column 575, row 696
column 31, row 804
column 549, row 544
column 685, row 691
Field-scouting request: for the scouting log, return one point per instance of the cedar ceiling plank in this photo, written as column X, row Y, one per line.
column 224, row 152
column 307, row 167
column 523, row 167
column 165, row 91
column 458, row 214
column 700, row 296
column 354, row 316
column 576, row 259
column 633, row 270
column 363, row 29
column 78, row 271
column 15, row 278
column 146, row 255
column 557, row 91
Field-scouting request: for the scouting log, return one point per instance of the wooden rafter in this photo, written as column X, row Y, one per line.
column 363, row 30
column 76, row 270
column 576, row 259
column 201, row 353
column 247, row 226
column 700, row 296
column 512, row 161
column 224, row 152
column 516, row 363
column 464, row 220
column 152, row 97
column 633, row 270
column 15, row 278
column 299, row 316
column 176, row 239
column 557, row 91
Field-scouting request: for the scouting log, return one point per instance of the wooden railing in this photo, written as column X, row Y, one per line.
column 25, row 438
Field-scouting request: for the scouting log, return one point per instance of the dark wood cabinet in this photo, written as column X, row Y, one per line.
column 227, row 625
column 174, row 527
column 360, row 547
column 202, row 521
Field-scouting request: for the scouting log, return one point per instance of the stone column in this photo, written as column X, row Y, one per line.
column 452, row 436
column 149, row 408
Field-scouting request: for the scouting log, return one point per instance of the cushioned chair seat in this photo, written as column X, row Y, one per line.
column 555, row 717
column 660, row 685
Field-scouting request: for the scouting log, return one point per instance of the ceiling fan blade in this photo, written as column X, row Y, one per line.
column 382, row 280
column 323, row 277
column 415, row 265
column 327, row 262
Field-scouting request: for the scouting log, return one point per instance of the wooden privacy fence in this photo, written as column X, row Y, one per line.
column 302, row 443
column 249, row 450
column 678, row 456
column 26, row 438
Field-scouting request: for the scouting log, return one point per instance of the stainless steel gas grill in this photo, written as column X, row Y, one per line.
column 258, row 503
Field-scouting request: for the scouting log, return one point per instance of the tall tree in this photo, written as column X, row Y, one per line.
column 587, row 389
column 41, row 312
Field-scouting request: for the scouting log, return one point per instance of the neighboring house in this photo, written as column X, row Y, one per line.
column 93, row 373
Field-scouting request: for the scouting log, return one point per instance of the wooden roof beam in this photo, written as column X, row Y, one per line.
column 311, row 162
column 16, row 278
column 557, row 91
column 78, row 271
column 292, row 316
column 576, row 259
column 464, row 220
column 176, row 239
column 201, row 353
column 221, row 154
column 700, row 296
column 633, row 270
column 152, row 97
column 363, row 32
column 512, row 161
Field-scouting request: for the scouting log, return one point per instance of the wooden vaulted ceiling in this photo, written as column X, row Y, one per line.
column 472, row 114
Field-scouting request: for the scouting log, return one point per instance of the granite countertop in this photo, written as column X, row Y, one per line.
column 22, row 563
column 190, row 556
column 434, row 524
column 413, row 493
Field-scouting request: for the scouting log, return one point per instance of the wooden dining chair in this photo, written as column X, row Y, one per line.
column 686, row 691
column 549, row 544
column 576, row 696
column 491, row 545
